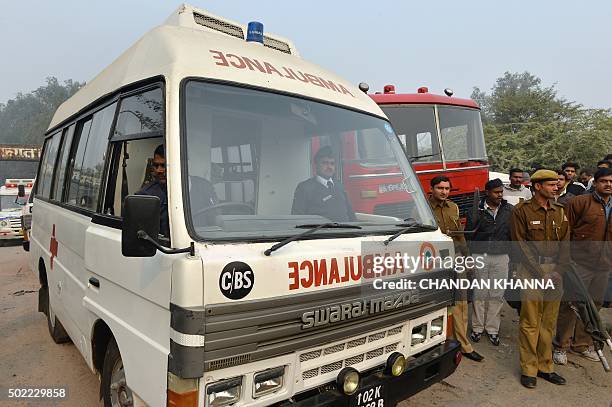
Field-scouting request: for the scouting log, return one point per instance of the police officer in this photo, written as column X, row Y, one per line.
column 323, row 195
column 540, row 227
column 446, row 213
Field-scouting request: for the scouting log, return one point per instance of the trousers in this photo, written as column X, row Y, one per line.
column 538, row 320
column 488, row 302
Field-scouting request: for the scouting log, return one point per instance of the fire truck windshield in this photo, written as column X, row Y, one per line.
column 461, row 132
column 259, row 164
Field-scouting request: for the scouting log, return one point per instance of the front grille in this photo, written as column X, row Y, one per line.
column 15, row 224
column 332, row 367
column 401, row 210
column 218, row 25
column 356, row 342
column 310, row 355
column 361, row 349
column 354, row 360
column 228, row 362
column 334, row 349
column 260, row 330
column 464, row 202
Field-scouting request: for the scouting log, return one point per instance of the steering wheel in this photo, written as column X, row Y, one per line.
column 242, row 205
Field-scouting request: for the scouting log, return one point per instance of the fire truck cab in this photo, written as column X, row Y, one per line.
column 442, row 135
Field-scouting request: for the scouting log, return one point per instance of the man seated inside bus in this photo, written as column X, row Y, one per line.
column 323, row 195
column 201, row 190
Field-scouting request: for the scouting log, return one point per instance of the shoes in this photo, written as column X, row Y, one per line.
column 528, row 381
column 494, row 339
column 588, row 354
column 552, row 377
column 559, row 357
column 475, row 356
column 475, row 336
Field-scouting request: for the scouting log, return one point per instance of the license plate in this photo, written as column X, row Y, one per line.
column 373, row 396
column 395, row 187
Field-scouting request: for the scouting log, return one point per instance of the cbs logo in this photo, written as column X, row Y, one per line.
column 236, row 280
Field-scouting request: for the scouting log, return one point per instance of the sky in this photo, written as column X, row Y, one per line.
column 439, row 44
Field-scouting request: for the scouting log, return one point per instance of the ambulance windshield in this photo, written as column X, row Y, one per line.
column 260, row 164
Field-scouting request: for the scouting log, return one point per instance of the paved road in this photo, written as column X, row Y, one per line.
column 28, row 357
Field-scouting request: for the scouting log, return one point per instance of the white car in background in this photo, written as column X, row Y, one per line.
column 11, row 204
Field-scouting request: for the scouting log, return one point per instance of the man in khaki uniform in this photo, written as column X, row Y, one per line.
column 539, row 226
column 446, row 213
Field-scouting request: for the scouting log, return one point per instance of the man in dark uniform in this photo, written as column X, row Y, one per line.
column 159, row 189
column 446, row 213
column 540, row 227
column 322, row 195
column 201, row 193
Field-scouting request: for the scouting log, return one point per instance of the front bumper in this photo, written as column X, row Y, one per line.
column 430, row 367
column 10, row 234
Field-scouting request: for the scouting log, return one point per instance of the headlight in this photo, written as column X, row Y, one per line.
column 224, row 393
column 396, row 364
column 3, row 223
column 437, row 326
column 268, row 381
column 419, row 334
column 348, row 380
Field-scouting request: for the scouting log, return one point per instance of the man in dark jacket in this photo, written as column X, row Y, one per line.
column 590, row 218
column 572, row 186
column 490, row 240
column 323, row 195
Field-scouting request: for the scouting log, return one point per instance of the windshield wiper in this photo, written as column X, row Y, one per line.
column 410, row 225
column 311, row 229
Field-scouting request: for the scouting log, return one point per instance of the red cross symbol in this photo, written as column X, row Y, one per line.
column 53, row 246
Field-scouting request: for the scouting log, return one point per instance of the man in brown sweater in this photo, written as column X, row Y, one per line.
column 591, row 225
column 446, row 213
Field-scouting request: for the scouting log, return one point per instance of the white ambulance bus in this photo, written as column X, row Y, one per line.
column 188, row 277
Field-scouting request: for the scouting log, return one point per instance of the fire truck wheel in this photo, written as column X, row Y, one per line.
column 115, row 391
column 56, row 330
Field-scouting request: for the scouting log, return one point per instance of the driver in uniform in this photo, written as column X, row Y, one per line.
column 201, row 191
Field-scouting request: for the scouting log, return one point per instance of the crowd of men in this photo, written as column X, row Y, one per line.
column 534, row 232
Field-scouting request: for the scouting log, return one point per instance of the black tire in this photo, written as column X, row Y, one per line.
column 56, row 329
column 113, row 364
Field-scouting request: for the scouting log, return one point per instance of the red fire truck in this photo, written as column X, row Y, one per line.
column 442, row 135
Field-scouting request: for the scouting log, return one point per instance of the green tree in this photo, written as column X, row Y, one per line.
column 529, row 126
column 25, row 119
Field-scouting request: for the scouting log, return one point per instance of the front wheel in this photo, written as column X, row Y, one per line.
column 115, row 391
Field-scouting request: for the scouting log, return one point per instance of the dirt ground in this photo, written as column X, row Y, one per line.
column 28, row 357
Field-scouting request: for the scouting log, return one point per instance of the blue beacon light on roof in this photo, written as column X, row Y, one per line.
column 255, row 31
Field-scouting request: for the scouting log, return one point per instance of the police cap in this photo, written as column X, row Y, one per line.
column 544, row 175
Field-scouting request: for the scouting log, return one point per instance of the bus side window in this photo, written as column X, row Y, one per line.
column 136, row 156
column 138, row 131
column 89, row 159
column 63, row 154
column 47, row 165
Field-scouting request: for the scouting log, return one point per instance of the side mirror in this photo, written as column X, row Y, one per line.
column 140, row 214
column 20, row 191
